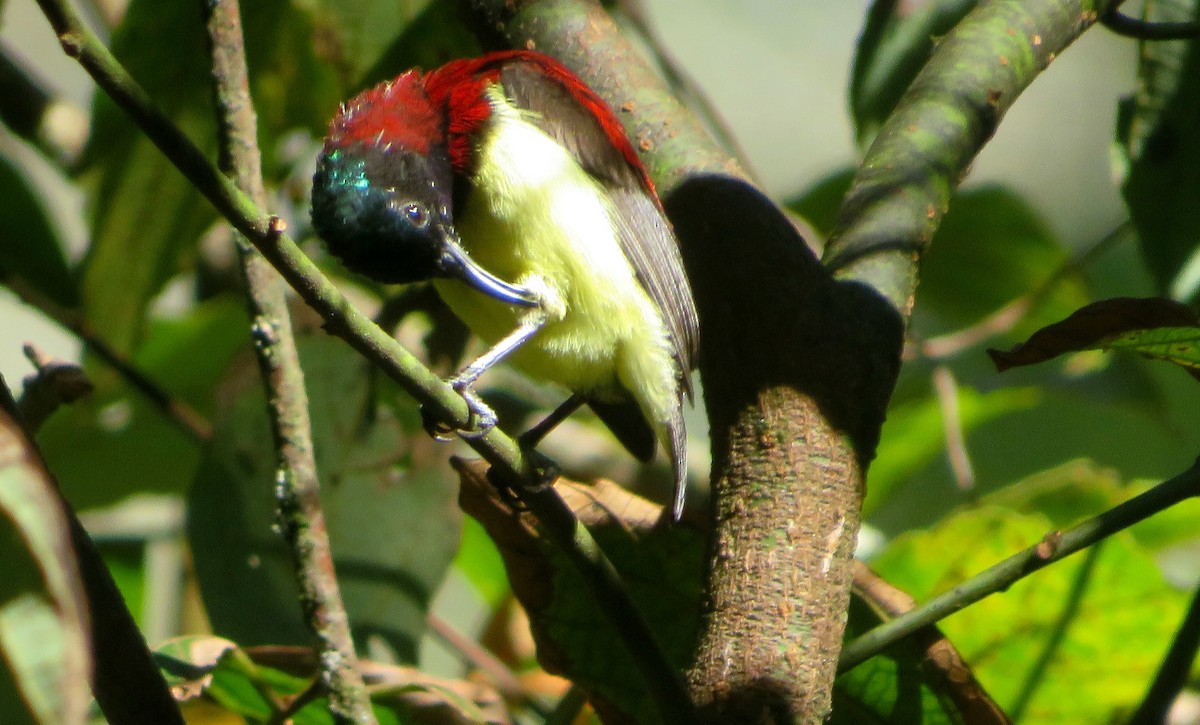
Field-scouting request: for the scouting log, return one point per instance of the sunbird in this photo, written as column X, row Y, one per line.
column 511, row 185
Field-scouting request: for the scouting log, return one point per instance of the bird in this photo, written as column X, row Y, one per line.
column 510, row 185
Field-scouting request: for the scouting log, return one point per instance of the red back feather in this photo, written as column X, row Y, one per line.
column 459, row 85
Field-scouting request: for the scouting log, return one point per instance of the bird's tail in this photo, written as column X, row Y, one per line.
column 676, row 445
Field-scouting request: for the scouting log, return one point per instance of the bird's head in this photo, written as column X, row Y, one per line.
column 383, row 191
column 381, row 195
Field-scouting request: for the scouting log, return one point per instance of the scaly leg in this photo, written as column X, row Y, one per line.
column 534, row 435
column 484, row 418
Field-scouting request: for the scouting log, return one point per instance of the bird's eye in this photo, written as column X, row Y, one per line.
column 416, row 214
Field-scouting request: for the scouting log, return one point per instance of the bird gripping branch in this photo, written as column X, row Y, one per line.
column 511, row 185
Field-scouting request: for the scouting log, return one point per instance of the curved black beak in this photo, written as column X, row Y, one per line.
column 457, row 264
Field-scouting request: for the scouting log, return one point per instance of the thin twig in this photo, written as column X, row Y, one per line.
column 1055, row 546
column 946, row 389
column 297, row 488
column 1174, row 671
column 267, row 234
column 1147, row 30
column 505, row 680
column 176, row 409
column 1011, row 315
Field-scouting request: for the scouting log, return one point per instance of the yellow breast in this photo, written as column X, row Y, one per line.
column 537, row 219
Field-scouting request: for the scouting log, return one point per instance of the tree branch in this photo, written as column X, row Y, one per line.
column 268, row 236
column 177, row 410
column 925, row 147
column 1055, row 546
column 297, row 486
column 797, row 371
column 1174, row 671
column 1147, row 30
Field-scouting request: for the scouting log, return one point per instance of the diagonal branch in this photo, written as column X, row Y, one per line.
column 177, row 410
column 268, row 235
column 1174, row 671
column 1055, row 546
column 297, row 486
column 926, row 146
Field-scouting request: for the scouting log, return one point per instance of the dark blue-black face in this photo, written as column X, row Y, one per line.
column 384, row 213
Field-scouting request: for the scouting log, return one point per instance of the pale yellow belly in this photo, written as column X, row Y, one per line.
column 536, row 219
column 592, row 345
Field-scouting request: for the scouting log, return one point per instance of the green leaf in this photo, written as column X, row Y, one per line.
column 891, row 688
column 216, row 669
column 1121, row 597
column 1179, row 345
column 480, row 562
column 436, row 35
column 394, row 528
column 357, row 35
column 45, row 656
column 662, row 570
column 1065, row 494
column 914, row 433
column 188, row 355
column 144, row 213
column 117, row 442
column 1160, row 139
column 31, row 252
column 661, row 567
column 991, row 248
column 895, row 43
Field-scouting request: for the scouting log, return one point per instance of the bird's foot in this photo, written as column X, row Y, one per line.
column 545, row 473
column 482, row 417
column 435, row 427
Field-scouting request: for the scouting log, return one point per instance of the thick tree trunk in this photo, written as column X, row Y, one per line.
column 796, row 371
column 797, row 374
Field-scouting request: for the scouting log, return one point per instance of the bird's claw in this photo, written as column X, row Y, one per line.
column 482, row 417
column 546, row 472
column 435, row 427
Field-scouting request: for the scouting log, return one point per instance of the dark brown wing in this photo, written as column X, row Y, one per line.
column 627, row 423
column 645, row 234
